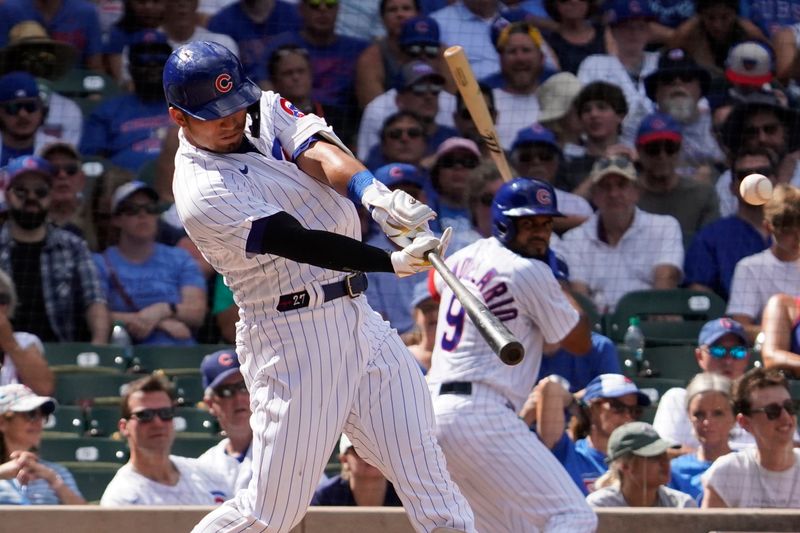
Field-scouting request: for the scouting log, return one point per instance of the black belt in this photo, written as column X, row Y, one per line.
column 352, row 285
column 456, row 387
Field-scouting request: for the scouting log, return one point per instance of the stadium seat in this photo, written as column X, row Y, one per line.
column 102, row 420
column 88, row 389
column 690, row 310
column 670, row 362
column 86, row 87
column 189, row 390
column 93, row 480
column 172, row 360
column 66, row 421
column 193, row 445
column 64, row 357
column 191, row 421
column 84, row 451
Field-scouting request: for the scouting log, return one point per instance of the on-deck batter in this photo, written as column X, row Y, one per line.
column 512, row 481
column 267, row 207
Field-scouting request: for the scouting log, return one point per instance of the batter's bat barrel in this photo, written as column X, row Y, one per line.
column 500, row 339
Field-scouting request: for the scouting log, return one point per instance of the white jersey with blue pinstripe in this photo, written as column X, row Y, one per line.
column 523, row 294
column 316, row 368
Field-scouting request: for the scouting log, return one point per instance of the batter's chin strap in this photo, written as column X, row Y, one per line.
column 254, row 110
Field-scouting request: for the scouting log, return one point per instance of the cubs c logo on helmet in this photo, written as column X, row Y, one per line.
column 543, row 197
column 223, row 83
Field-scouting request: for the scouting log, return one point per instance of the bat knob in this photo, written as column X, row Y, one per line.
column 512, row 353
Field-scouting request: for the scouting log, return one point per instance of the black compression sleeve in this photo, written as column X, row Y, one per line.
column 282, row 235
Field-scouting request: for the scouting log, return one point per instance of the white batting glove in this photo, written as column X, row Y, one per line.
column 400, row 216
column 414, row 258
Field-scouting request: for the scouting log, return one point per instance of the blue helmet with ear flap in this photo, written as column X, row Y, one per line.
column 521, row 197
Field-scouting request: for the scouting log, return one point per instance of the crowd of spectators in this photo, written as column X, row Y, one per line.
column 644, row 116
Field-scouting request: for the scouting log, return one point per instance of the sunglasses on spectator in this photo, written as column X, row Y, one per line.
column 32, row 415
column 431, row 51
column 720, row 352
column 773, row 410
column 316, row 4
column 22, row 193
column 426, row 88
column 134, row 209
column 70, row 169
column 229, row 391
column 768, row 129
column 13, row 108
column 451, row 161
column 545, row 156
column 742, row 173
column 655, row 148
column 5, row 298
column 685, row 77
column 617, row 161
column 146, row 416
column 397, row 133
column 621, row 408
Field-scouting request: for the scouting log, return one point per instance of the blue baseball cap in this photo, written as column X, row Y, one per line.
column 614, row 386
column 16, row 85
column 714, row 330
column 28, row 163
column 419, row 30
column 395, row 174
column 619, row 11
column 216, row 367
column 536, row 134
column 658, row 127
column 421, row 294
column 417, row 71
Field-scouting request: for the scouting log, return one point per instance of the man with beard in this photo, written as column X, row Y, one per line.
column 22, row 114
column 57, row 283
column 665, row 192
column 677, row 87
column 129, row 129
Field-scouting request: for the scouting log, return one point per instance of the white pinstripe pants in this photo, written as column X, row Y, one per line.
column 312, row 373
column 512, row 481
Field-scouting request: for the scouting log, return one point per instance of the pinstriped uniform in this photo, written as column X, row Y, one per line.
column 512, row 481
column 315, row 370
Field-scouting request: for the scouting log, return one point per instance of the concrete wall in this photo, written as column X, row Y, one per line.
column 92, row 519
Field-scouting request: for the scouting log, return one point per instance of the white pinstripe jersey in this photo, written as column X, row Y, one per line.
column 521, row 292
column 218, row 196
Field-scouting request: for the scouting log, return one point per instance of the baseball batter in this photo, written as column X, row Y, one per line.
column 263, row 191
column 511, row 480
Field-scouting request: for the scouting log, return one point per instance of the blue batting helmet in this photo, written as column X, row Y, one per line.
column 206, row 81
column 521, row 197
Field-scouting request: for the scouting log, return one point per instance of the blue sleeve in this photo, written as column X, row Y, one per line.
column 94, row 35
column 563, row 448
column 96, row 130
column 700, row 265
column 607, row 358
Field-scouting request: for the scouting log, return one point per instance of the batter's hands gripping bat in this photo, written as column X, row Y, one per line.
column 500, row 339
column 473, row 98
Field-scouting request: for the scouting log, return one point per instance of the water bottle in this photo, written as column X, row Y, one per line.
column 121, row 338
column 634, row 342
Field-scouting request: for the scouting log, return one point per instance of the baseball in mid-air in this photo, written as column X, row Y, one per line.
column 756, row 189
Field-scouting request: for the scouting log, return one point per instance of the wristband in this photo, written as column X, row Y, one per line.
column 358, row 184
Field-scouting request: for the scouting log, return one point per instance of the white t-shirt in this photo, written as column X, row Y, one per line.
column 197, row 485
column 237, row 471
column 741, row 482
column 514, row 112
column 756, row 278
column 8, row 372
column 383, row 105
column 612, row 497
column 612, row 271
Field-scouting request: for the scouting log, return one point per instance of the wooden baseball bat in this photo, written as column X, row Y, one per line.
column 473, row 98
column 500, row 339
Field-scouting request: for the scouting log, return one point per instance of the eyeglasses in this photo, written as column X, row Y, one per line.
column 131, row 210
column 744, row 172
column 431, row 51
column 33, row 415
column 426, row 88
column 653, row 149
column 70, row 169
column 5, row 299
column 684, row 77
column 316, row 4
column 719, row 352
column 146, row 416
column 13, row 108
column 616, row 161
column 768, row 129
column 451, row 161
column 22, row 193
column 621, row 408
column 397, row 133
column 229, row 391
column 527, row 156
column 773, row 410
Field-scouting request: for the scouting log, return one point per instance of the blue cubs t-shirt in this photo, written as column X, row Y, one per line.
column 685, row 472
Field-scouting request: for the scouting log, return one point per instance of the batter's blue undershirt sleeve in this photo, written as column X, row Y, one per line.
column 281, row 234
